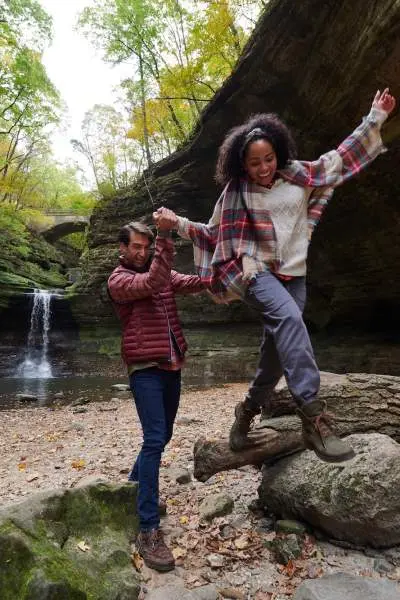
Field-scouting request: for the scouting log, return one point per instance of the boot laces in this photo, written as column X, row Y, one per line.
column 323, row 423
column 156, row 538
column 251, row 422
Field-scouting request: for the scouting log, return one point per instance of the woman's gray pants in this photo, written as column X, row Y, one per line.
column 286, row 347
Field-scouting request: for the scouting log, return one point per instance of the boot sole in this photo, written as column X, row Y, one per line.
column 157, row 567
column 330, row 459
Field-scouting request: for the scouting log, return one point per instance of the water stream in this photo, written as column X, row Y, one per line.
column 35, row 364
column 51, row 361
column 50, row 365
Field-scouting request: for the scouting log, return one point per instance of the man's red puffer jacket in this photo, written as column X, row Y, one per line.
column 145, row 303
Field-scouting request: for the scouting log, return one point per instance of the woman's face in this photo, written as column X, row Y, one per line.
column 260, row 162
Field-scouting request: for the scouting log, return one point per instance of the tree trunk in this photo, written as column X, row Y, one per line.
column 144, row 113
column 362, row 403
column 212, row 456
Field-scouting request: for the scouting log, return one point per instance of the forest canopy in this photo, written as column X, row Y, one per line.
column 179, row 53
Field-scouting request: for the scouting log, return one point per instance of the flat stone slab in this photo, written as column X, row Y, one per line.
column 342, row 586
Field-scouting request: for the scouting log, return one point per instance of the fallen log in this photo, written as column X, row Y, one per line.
column 361, row 403
column 281, row 437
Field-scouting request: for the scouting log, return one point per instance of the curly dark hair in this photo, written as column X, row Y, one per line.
column 266, row 126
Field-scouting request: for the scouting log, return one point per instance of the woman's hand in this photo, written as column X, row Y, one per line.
column 384, row 101
column 165, row 219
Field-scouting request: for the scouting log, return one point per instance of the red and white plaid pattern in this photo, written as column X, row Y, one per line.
column 230, row 234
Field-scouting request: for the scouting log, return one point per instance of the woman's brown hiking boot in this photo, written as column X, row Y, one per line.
column 154, row 551
column 318, row 433
column 238, row 436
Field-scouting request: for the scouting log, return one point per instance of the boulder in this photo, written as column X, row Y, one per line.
column 216, row 505
column 360, row 402
column 71, row 544
column 357, row 501
column 342, row 586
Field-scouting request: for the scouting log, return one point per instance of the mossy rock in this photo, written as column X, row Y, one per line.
column 72, row 544
column 356, row 501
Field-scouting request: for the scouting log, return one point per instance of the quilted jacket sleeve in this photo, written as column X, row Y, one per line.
column 125, row 285
column 186, row 284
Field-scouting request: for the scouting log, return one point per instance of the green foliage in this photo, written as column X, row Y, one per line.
column 181, row 51
column 113, row 161
column 76, row 240
column 13, row 233
column 29, row 103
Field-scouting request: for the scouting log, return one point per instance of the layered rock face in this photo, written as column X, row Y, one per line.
column 318, row 66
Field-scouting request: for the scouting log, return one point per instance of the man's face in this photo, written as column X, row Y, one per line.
column 137, row 252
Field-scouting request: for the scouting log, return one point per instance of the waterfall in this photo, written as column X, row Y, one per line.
column 36, row 364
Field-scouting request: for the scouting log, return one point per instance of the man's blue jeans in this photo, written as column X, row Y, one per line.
column 156, row 394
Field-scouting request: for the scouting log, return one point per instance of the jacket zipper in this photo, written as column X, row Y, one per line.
column 169, row 329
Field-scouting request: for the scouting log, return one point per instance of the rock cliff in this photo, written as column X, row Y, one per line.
column 318, row 66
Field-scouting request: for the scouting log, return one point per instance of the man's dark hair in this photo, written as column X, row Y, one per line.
column 124, row 234
column 263, row 126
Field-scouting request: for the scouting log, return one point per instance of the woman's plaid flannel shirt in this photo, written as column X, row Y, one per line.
column 229, row 235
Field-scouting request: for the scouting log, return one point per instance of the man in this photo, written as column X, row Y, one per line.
column 143, row 289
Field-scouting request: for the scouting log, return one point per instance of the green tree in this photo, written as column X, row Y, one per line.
column 113, row 159
column 29, row 103
column 180, row 51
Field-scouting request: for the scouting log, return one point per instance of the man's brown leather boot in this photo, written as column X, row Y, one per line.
column 154, row 551
column 318, row 434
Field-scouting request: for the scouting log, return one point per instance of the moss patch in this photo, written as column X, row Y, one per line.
column 72, row 545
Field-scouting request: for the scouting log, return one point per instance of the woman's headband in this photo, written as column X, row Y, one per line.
column 255, row 133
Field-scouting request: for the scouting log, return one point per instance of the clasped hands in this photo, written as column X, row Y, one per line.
column 165, row 219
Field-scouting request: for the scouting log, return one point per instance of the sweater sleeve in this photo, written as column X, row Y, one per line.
column 201, row 233
column 333, row 168
column 125, row 285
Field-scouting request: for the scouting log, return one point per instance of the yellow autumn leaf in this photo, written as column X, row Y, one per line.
column 178, row 552
column 78, row 464
column 83, row 546
column 137, row 561
column 241, row 542
column 184, row 520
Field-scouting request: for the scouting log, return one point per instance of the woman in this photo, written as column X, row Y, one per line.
column 255, row 248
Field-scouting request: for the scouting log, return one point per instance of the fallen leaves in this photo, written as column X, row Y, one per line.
column 137, row 560
column 232, row 593
column 179, row 552
column 242, row 542
column 78, row 464
column 261, row 595
column 238, row 546
column 83, row 546
column 53, row 437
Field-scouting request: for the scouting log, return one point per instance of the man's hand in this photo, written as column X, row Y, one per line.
column 165, row 219
column 384, row 101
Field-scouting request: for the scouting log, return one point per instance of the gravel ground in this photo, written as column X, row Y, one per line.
column 45, row 448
